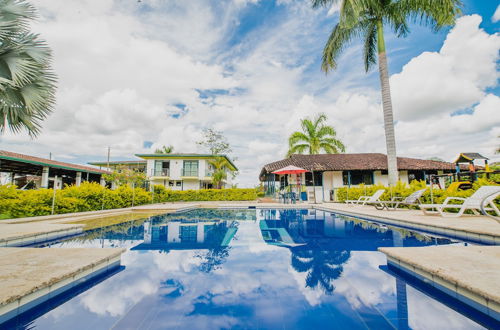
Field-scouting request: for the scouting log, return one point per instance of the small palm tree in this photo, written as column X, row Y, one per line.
column 315, row 136
column 366, row 19
column 164, row 150
column 27, row 83
column 220, row 165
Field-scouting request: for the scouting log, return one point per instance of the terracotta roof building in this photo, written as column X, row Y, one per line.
column 333, row 171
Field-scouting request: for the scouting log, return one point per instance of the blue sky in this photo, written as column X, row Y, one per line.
column 138, row 75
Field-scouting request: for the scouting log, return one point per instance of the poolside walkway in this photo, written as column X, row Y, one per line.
column 468, row 273
column 40, row 274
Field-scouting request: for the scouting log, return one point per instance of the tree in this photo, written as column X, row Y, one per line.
column 215, row 142
column 123, row 175
column 315, row 136
column 27, row 83
column 164, row 150
column 437, row 159
column 366, row 19
column 220, row 165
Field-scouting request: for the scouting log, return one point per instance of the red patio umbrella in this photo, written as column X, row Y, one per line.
column 290, row 170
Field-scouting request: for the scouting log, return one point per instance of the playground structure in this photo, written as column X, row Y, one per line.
column 464, row 179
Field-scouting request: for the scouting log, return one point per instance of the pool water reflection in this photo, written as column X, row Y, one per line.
column 211, row 269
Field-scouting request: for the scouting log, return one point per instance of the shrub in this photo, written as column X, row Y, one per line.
column 92, row 196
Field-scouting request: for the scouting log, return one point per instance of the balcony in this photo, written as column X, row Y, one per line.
column 163, row 172
column 189, row 173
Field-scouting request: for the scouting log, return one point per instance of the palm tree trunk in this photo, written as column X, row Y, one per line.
column 390, row 138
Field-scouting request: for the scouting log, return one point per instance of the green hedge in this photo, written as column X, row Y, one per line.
column 404, row 190
column 16, row 203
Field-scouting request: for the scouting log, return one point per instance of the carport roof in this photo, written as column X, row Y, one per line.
column 15, row 157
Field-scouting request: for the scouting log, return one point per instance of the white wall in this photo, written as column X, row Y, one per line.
column 191, row 184
column 150, row 167
column 176, row 169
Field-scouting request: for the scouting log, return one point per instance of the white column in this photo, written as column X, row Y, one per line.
column 45, row 177
column 78, row 180
column 113, row 185
column 103, row 182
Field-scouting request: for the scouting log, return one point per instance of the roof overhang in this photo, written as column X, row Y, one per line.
column 185, row 156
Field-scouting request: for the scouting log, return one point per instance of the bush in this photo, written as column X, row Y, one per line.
column 92, row 197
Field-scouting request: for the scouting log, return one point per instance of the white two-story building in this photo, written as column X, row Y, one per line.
column 176, row 171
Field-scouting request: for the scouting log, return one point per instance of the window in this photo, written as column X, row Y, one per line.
column 416, row 175
column 190, row 168
column 170, row 183
column 162, row 168
column 178, row 183
column 357, row 177
column 318, row 179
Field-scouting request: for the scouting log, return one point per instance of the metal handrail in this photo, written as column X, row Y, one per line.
column 483, row 210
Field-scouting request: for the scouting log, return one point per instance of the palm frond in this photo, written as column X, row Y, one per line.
column 27, row 83
column 370, row 46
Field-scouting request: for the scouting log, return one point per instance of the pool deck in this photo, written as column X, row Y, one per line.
column 40, row 274
column 468, row 273
column 27, row 269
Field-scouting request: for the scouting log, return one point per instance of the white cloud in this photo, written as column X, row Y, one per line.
column 452, row 79
column 496, row 15
column 126, row 68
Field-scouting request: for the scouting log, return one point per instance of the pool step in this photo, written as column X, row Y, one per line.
column 31, row 276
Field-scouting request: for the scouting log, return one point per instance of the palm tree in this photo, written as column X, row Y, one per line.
column 366, row 19
column 27, row 83
column 164, row 150
column 220, row 164
column 315, row 136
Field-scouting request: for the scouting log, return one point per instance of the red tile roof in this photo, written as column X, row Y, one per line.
column 344, row 162
column 47, row 162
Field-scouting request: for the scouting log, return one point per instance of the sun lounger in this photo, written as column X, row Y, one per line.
column 395, row 202
column 365, row 199
column 472, row 203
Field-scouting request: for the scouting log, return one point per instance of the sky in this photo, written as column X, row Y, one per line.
column 136, row 75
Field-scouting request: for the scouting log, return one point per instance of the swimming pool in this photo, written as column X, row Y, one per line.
column 270, row 269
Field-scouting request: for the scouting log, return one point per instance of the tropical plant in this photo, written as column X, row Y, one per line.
column 220, row 165
column 27, row 83
column 164, row 150
column 366, row 19
column 315, row 136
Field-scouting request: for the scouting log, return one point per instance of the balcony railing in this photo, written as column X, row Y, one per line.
column 189, row 172
column 161, row 172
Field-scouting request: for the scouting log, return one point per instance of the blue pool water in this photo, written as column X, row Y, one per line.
column 250, row 269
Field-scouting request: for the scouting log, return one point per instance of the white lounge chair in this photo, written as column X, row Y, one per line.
column 367, row 199
column 412, row 200
column 472, row 203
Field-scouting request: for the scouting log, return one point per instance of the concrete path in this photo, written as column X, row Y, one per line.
column 30, row 276
column 465, row 272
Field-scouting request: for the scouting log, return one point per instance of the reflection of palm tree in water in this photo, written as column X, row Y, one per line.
column 322, row 266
